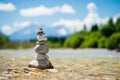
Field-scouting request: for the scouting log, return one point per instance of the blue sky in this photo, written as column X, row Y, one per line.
column 68, row 15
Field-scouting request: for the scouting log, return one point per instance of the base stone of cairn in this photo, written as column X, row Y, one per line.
column 41, row 58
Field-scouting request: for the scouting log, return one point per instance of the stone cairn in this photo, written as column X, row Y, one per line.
column 41, row 59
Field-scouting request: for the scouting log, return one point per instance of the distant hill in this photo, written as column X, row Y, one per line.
column 29, row 32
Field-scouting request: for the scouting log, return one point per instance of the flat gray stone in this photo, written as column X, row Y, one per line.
column 41, row 49
column 41, row 56
column 41, row 38
column 41, row 42
column 41, row 64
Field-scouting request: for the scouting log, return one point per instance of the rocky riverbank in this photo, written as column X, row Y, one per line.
column 69, row 68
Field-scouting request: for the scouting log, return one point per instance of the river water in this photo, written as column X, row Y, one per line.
column 89, row 53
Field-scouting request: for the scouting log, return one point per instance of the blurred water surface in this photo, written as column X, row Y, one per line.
column 63, row 53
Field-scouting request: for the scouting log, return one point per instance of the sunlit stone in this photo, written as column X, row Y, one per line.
column 41, row 49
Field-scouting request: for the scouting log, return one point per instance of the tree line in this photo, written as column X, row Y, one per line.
column 100, row 36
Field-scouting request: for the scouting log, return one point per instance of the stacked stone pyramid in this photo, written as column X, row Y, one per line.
column 41, row 49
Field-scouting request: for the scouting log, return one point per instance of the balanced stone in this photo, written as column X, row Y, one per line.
column 41, row 64
column 41, row 42
column 41, row 56
column 41, row 38
column 41, row 49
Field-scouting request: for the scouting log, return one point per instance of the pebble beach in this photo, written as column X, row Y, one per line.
column 80, row 64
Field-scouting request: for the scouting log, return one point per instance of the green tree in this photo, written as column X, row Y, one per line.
column 102, row 42
column 55, row 42
column 74, row 41
column 52, row 39
column 3, row 41
column 114, row 41
column 108, row 29
column 84, row 31
column 91, row 40
column 94, row 27
column 118, row 24
column 61, row 40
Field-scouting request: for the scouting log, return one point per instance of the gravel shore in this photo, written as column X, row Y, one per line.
column 73, row 67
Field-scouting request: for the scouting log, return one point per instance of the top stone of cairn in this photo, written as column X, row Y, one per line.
column 40, row 37
column 40, row 31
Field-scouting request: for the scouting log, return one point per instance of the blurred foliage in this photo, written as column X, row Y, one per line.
column 6, row 43
column 74, row 41
column 99, row 36
column 55, row 42
column 102, row 36
column 108, row 29
column 118, row 25
column 91, row 40
column 3, row 40
column 114, row 41
column 102, row 42
column 94, row 28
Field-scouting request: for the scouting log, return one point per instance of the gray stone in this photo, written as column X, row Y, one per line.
column 41, row 49
column 41, row 64
column 41, row 56
column 40, row 38
column 41, row 42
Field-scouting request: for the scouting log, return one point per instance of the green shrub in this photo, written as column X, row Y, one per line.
column 93, row 43
column 91, row 40
column 54, row 44
column 102, row 42
column 74, row 41
column 114, row 41
column 3, row 40
column 118, row 24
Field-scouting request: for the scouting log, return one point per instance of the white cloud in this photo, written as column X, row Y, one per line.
column 62, row 31
column 115, row 18
column 21, row 24
column 7, row 30
column 76, row 25
column 42, row 10
column 92, row 16
column 7, row 7
column 67, row 9
column 71, row 25
column 92, row 7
